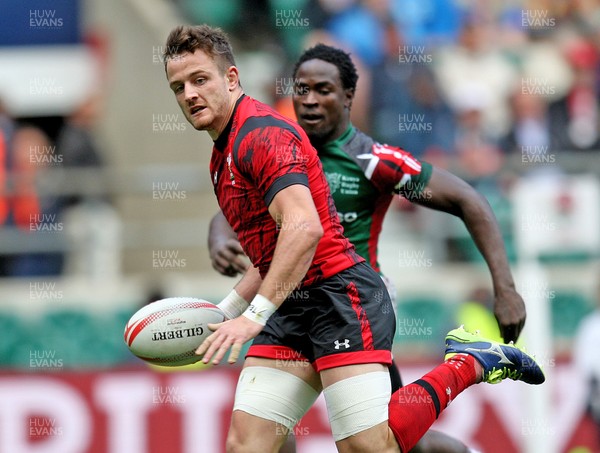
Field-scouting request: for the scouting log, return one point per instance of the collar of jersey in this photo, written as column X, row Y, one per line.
column 221, row 141
column 342, row 139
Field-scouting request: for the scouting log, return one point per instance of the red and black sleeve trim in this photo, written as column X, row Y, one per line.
column 284, row 181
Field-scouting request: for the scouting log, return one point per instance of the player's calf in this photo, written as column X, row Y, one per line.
column 469, row 359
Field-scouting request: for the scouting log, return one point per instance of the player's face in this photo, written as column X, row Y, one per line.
column 202, row 90
column 321, row 103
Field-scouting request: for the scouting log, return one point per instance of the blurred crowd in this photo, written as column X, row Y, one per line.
column 463, row 84
column 456, row 82
column 52, row 165
column 494, row 91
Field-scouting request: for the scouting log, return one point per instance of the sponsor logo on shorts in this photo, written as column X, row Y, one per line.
column 345, row 343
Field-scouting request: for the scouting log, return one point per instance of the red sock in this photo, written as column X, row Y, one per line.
column 414, row 408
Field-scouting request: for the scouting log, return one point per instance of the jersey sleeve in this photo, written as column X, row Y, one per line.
column 394, row 170
column 273, row 156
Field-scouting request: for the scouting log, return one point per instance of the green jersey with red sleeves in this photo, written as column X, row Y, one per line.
column 363, row 177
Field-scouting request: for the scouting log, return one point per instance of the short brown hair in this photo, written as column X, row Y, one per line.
column 211, row 40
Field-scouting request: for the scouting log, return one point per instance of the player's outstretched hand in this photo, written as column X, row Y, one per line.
column 229, row 334
column 509, row 309
column 227, row 257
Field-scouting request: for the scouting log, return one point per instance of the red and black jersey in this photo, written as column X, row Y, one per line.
column 259, row 153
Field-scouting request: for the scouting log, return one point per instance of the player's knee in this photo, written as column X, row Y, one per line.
column 289, row 445
column 234, row 443
column 241, row 439
column 238, row 445
column 377, row 439
column 238, row 441
column 237, row 436
column 426, row 447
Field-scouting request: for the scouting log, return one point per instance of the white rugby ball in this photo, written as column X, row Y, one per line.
column 168, row 332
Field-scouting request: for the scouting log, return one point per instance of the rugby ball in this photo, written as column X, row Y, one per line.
column 168, row 332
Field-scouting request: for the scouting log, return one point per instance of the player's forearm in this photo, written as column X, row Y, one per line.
column 483, row 227
column 300, row 231
column 248, row 286
column 449, row 193
column 237, row 301
column 294, row 252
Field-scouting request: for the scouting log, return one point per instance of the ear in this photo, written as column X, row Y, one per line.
column 349, row 97
column 233, row 77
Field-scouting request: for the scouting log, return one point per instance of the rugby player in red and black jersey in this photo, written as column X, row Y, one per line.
column 364, row 176
column 319, row 314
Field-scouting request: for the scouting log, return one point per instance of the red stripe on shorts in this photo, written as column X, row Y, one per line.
column 275, row 352
column 361, row 314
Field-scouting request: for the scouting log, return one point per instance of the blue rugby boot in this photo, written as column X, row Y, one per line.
column 499, row 361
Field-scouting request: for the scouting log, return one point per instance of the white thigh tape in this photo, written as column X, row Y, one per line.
column 358, row 403
column 273, row 395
